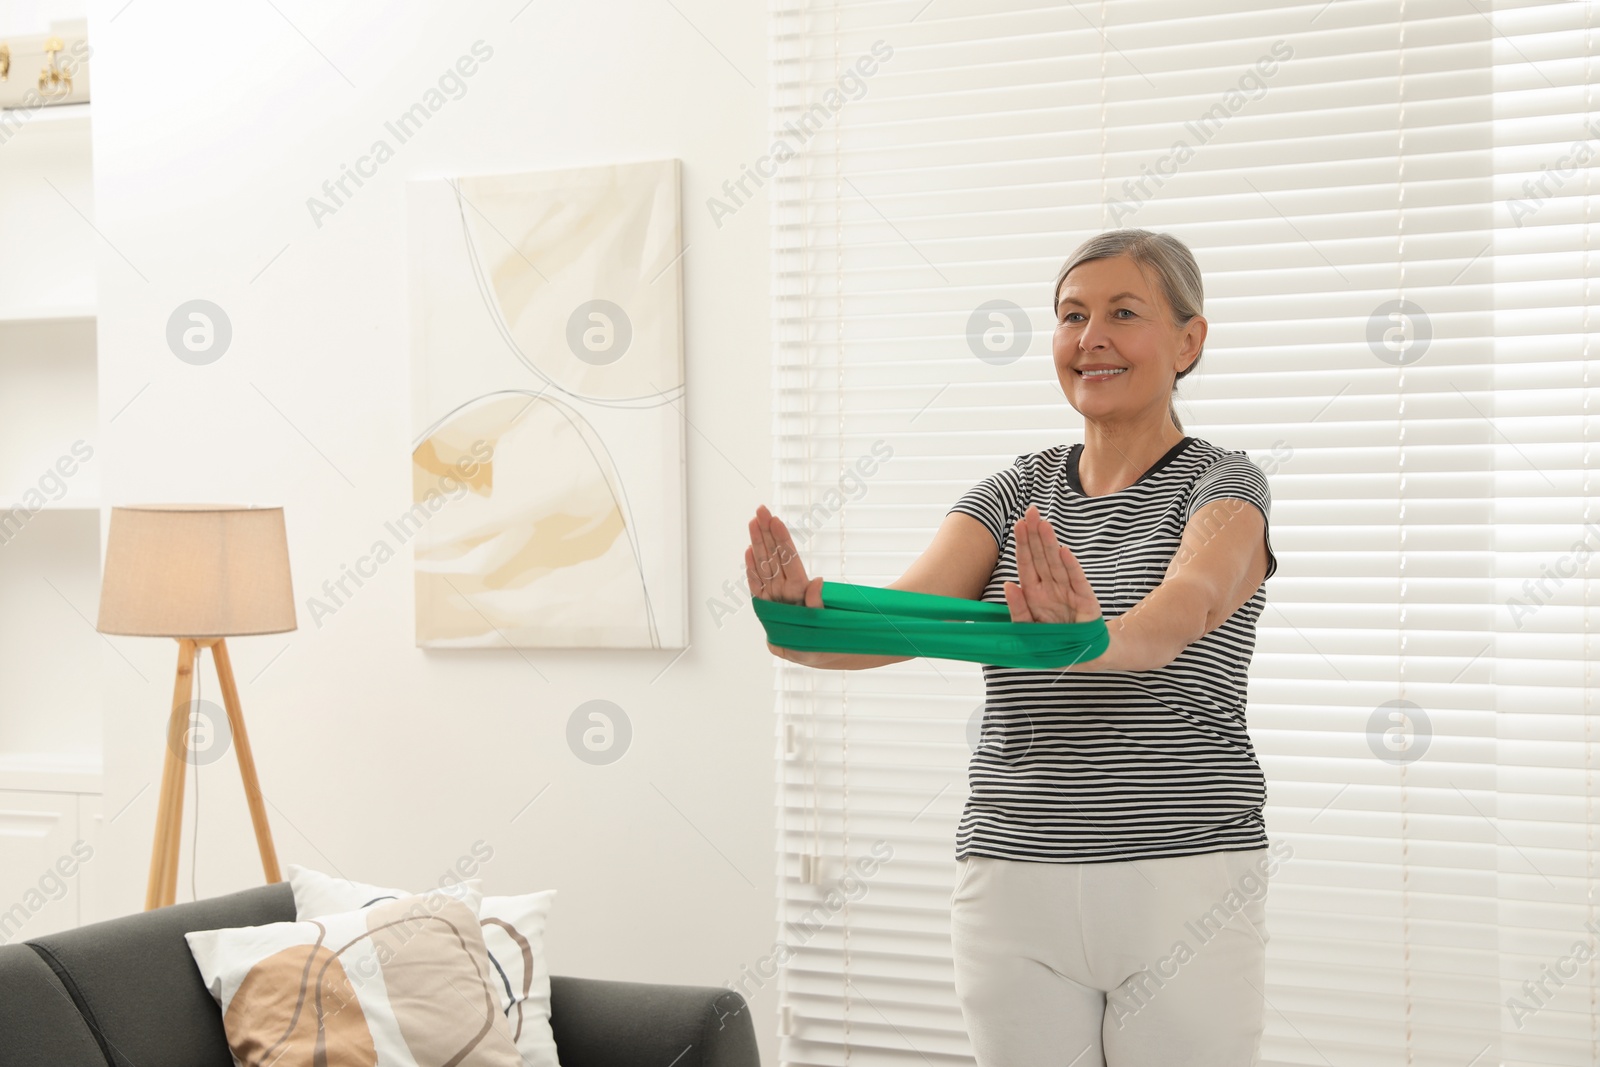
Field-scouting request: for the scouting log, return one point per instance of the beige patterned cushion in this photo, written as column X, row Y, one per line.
column 404, row 983
column 513, row 932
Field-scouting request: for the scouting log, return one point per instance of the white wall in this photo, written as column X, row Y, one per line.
column 213, row 125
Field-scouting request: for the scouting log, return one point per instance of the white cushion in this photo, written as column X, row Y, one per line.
column 513, row 934
column 403, row 983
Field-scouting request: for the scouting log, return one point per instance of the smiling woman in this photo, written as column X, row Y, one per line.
column 1117, row 798
column 1143, row 316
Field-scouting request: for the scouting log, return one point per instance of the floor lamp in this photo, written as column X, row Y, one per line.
column 199, row 573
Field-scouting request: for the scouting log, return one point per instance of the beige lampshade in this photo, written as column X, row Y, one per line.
column 196, row 570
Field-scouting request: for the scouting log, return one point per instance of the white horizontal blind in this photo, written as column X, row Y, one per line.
column 1545, row 399
column 1408, row 359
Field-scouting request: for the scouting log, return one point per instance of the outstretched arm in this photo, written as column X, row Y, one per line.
column 957, row 563
column 1220, row 563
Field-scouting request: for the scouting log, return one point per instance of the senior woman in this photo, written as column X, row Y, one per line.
column 1109, row 903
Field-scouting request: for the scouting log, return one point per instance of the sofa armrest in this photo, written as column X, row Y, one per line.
column 39, row 1023
column 600, row 1023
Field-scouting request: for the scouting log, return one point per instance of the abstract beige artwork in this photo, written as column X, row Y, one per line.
column 547, row 460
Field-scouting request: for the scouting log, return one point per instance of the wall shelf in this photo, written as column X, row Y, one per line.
column 14, row 118
column 71, row 502
column 51, row 747
column 45, row 316
column 50, row 736
column 47, row 773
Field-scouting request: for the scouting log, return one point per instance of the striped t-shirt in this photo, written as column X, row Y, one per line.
column 1085, row 766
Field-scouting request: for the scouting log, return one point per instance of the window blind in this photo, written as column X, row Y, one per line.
column 1545, row 400
column 1391, row 204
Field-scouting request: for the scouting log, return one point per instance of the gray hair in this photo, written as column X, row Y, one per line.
column 1169, row 259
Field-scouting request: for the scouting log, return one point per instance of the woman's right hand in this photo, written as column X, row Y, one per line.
column 772, row 564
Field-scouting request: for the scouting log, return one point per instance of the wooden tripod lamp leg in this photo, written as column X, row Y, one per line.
column 247, row 763
column 163, row 883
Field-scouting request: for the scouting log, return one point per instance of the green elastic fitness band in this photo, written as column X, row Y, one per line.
column 898, row 622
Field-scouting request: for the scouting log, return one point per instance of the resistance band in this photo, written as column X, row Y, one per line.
column 898, row 622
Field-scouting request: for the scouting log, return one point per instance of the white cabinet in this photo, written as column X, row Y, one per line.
column 45, row 854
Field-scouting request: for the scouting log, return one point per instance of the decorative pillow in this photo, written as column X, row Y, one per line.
column 317, row 894
column 404, row 983
column 513, row 934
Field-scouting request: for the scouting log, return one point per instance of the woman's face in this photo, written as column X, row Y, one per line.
column 1109, row 316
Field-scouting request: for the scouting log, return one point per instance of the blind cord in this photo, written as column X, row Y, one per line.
column 1400, row 635
column 838, row 383
column 1104, row 132
column 1588, row 657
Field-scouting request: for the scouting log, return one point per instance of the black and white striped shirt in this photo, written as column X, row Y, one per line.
column 1117, row 765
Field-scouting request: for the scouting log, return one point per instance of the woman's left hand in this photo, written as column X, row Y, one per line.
column 1053, row 586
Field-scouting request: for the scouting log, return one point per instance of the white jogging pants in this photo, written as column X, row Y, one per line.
column 1135, row 963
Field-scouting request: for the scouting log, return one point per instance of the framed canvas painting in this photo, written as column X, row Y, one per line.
column 547, row 462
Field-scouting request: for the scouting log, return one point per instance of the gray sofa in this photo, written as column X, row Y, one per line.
column 126, row 993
